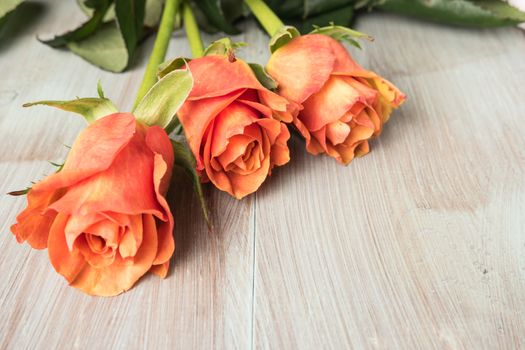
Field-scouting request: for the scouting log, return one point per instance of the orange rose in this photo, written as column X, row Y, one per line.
column 343, row 104
column 104, row 217
column 232, row 125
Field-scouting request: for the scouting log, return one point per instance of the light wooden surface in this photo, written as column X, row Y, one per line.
column 419, row 245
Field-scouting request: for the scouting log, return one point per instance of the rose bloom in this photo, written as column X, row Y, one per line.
column 343, row 104
column 104, row 217
column 232, row 124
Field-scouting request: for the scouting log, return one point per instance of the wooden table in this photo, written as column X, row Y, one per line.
column 418, row 245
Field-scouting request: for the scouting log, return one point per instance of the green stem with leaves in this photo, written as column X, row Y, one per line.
column 192, row 31
column 159, row 48
column 264, row 14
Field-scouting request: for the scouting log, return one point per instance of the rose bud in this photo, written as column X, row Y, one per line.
column 344, row 105
column 232, row 124
column 104, row 217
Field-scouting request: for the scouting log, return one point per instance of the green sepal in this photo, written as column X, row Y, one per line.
column 224, row 46
column 57, row 165
column 27, row 189
column 264, row 78
column 185, row 160
column 282, row 37
column 100, row 91
column 169, row 66
column 342, row 34
column 91, row 108
column 19, row 192
column 162, row 102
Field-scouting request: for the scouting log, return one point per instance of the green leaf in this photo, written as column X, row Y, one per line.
column 502, row 10
column 110, row 13
column 234, row 10
column 185, row 160
column 264, row 78
column 109, row 38
column 153, row 12
column 224, row 46
column 304, row 9
column 100, row 7
column 340, row 33
column 202, row 21
column 162, row 102
column 7, row 6
column 341, row 16
column 213, row 11
column 130, row 18
column 486, row 13
column 91, row 108
column 283, row 36
column 105, row 49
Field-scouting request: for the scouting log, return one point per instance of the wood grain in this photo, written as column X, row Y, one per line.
column 418, row 245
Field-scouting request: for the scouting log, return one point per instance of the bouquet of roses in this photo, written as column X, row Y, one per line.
column 103, row 215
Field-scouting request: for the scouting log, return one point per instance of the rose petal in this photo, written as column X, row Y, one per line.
column 283, row 109
column 67, row 263
column 236, row 148
column 125, row 187
column 159, row 143
column 302, row 66
column 337, row 132
column 244, row 185
column 369, row 94
column 117, row 278
column 84, row 244
column 166, row 243
column 218, row 178
column 132, row 237
column 329, row 104
column 160, row 270
column 196, row 116
column 280, row 153
column 344, row 63
column 216, row 76
column 93, row 151
column 231, row 121
column 33, row 223
column 107, row 230
column 77, row 224
column 272, row 128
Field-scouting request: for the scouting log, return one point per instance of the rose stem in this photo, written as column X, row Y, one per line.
column 159, row 48
column 265, row 16
column 192, row 31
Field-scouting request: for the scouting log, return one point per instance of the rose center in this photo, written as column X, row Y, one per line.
column 97, row 244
